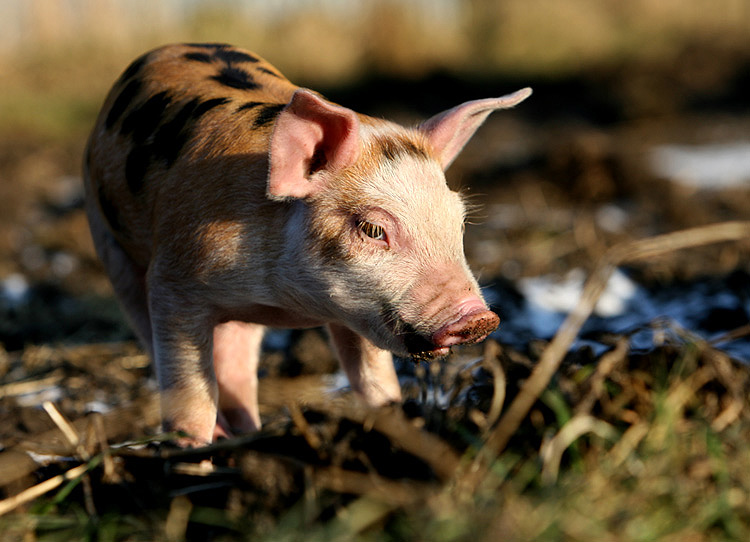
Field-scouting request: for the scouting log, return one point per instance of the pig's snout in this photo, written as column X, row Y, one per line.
column 470, row 328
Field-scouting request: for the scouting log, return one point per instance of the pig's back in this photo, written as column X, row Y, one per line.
column 183, row 125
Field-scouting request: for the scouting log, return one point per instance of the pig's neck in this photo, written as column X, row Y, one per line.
column 290, row 273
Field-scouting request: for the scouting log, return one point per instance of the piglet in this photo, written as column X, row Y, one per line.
column 223, row 199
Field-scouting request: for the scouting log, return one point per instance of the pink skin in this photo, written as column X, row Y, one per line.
column 238, row 382
column 369, row 369
column 474, row 323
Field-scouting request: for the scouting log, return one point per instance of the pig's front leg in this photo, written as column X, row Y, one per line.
column 369, row 369
column 236, row 354
column 182, row 342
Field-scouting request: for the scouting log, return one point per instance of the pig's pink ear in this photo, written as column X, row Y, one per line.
column 310, row 135
column 449, row 131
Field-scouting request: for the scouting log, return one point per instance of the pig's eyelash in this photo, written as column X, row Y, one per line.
column 372, row 230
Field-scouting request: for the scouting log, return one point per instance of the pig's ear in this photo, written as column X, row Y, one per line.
column 449, row 131
column 310, row 135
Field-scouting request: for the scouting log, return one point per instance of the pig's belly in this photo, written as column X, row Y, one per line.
column 271, row 316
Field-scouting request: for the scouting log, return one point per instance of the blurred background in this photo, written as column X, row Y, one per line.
column 639, row 124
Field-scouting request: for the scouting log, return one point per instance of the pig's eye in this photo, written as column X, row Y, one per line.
column 371, row 230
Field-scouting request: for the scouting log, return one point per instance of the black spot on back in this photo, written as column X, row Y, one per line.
column 236, row 78
column 172, row 135
column 109, row 210
column 143, row 120
column 206, row 106
column 168, row 141
column 136, row 166
column 134, row 68
column 231, row 56
column 122, row 101
column 267, row 114
column 247, row 106
column 269, row 72
column 209, row 45
column 198, row 57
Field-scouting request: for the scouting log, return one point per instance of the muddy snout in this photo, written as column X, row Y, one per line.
column 470, row 328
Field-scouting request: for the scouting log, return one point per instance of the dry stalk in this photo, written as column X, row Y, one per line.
column 552, row 451
column 371, row 484
column 607, row 363
column 629, row 441
column 31, row 386
column 491, row 353
column 40, row 489
column 63, row 424
column 392, row 423
column 303, row 427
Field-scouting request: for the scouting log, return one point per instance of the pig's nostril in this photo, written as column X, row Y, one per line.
column 470, row 328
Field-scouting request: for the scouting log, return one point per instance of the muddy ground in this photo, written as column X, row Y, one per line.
column 559, row 180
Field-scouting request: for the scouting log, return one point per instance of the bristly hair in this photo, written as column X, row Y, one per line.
column 474, row 210
column 395, row 146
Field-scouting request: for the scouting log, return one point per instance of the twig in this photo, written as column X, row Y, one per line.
column 109, row 464
column 628, row 442
column 607, row 363
column 176, row 524
column 40, row 489
column 429, row 448
column 64, row 425
column 362, row 514
column 30, row 386
column 551, row 453
column 301, row 423
column 491, row 353
column 733, row 335
column 75, row 441
column 358, row 483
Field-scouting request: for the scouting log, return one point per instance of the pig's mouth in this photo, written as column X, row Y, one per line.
column 421, row 348
column 470, row 328
column 429, row 355
column 473, row 324
column 418, row 346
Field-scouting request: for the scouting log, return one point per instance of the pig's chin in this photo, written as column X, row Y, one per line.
column 420, row 348
column 430, row 355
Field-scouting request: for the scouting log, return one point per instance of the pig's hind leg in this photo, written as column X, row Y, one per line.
column 236, row 354
column 128, row 280
column 369, row 369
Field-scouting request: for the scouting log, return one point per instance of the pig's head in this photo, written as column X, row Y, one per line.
column 378, row 235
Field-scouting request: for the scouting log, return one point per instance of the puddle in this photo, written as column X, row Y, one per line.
column 709, row 167
column 707, row 308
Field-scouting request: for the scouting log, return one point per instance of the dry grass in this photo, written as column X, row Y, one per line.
column 630, row 446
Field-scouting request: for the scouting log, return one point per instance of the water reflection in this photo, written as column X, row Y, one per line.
column 708, row 308
column 710, row 166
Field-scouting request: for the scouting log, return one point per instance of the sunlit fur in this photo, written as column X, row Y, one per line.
column 415, row 281
column 205, row 244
